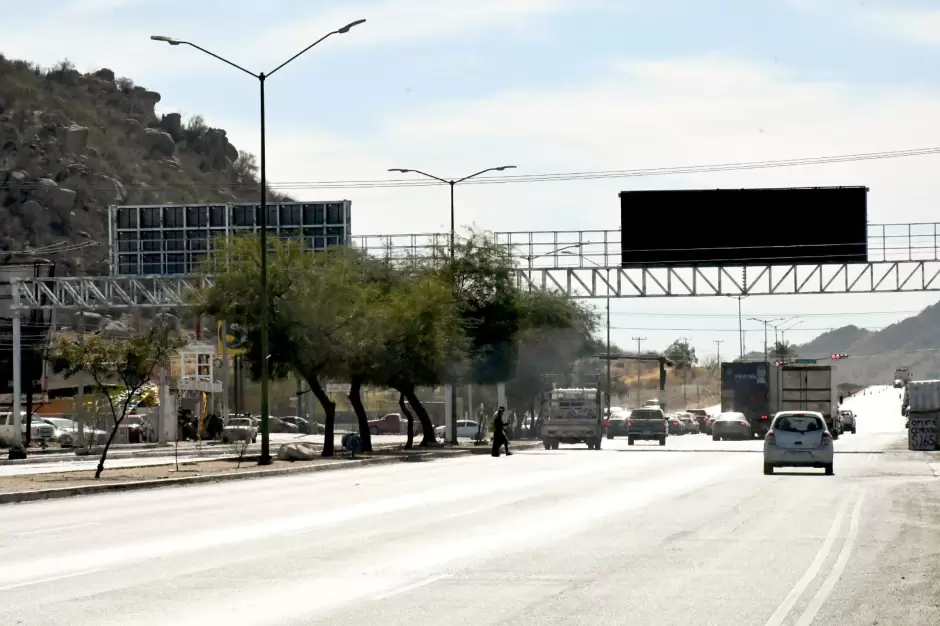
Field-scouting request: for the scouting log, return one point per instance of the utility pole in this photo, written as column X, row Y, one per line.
column 718, row 343
column 638, row 340
column 766, row 323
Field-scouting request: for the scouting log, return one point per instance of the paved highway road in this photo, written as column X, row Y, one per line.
column 573, row 536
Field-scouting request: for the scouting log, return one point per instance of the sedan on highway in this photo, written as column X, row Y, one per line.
column 730, row 425
column 617, row 424
column 798, row 439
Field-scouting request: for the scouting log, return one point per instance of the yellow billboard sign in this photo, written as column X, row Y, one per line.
column 233, row 341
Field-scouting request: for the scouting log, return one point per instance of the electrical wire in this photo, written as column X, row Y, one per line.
column 752, row 329
column 553, row 177
column 770, row 315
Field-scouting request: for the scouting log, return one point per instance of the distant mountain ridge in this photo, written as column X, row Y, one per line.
column 873, row 355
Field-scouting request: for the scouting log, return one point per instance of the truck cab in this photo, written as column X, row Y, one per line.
column 575, row 416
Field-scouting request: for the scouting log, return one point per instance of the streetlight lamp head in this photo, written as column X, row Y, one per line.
column 169, row 40
column 345, row 29
column 503, row 168
column 399, row 170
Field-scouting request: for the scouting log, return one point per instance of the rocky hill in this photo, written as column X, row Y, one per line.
column 71, row 144
column 873, row 356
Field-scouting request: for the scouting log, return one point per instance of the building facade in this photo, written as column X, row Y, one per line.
column 164, row 240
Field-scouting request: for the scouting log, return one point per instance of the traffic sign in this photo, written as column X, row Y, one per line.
column 234, row 340
column 803, row 361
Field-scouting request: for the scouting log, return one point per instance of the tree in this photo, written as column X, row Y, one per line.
column 315, row 303
column 488, row 304
column 682, row 353
column 113, row 361
column 783, row 350
column 556, row 332
column 422, row 339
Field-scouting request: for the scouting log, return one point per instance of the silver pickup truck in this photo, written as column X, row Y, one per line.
column 647, row 423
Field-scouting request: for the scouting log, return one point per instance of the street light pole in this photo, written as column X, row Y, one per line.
column 765, row 323
column 265, row 456
column 453, row 243
column 598, row 265
column 638, row 340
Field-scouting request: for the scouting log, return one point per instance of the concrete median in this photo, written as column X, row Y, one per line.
column 417, row 454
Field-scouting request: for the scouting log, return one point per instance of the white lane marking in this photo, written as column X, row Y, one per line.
column 49, row 579
column 826, row 589
column 787, row 605
column 54, row 529
column 412, row 586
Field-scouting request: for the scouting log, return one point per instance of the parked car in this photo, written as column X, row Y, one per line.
column 465, row 428
column 240, row 429
column 798, row 439
column 848, row 421
column 390, row 424
column 281, row 425
column 731, row 425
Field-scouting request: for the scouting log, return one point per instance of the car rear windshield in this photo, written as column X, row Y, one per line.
column 799, row 423
column 647, row 414
column 239, row 422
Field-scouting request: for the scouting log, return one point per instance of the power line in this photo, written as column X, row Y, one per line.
column 735, row 316
column 550, row 177
column 733, row 330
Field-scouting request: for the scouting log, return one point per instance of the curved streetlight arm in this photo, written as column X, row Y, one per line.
column 339, row 31
column 581, row 256
column 326, row 36
column 489, row 169
column 178, row 42
column 532, row 257
column 410, row 171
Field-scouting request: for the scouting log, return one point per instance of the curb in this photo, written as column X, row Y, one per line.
column 68, row 492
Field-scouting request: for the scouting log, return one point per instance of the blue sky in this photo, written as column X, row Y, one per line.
column 549, row 85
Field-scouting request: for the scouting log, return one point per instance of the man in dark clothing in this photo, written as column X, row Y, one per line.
column 499, row 433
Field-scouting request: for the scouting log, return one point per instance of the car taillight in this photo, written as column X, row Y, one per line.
column 743, row 423
column 764, row 417
column 826, row 440
column 771, row 438
column 607, row 422
column 629, row 424
column 675, row 423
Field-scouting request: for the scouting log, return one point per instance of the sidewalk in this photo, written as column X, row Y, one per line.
column 47, row 486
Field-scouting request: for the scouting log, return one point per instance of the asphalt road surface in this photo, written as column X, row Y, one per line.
column 641, row 535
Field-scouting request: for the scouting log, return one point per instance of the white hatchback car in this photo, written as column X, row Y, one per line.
column 798, row 439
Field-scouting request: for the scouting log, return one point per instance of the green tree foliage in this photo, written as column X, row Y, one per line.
column 489, row 306
column 682, row 353
column 783, row 350
column 117, row 362
column 555, row 333
column 314, row 302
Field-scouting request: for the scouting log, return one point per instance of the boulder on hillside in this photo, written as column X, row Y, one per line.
column 16, row 180
column 298, row 451
column 72, row 139
column 119, row 193
column 47, row 192
column 158, row 142
column 231, row 152
column 173, row 124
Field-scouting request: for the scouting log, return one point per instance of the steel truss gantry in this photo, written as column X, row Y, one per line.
column 91, row 293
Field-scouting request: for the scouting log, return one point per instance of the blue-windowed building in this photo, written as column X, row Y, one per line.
column 171, row 239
